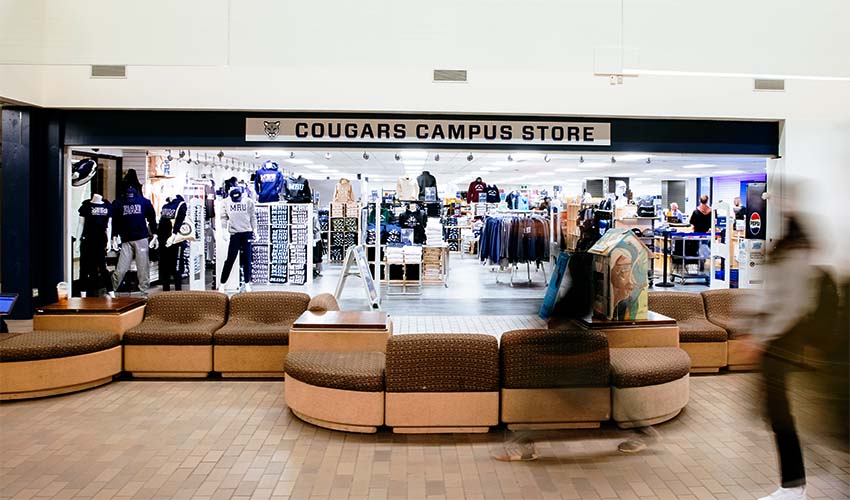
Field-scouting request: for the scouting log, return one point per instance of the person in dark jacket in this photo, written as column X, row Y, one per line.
column 133, row 224
column 170, row 219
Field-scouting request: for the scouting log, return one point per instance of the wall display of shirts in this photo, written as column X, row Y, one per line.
column 282, row 253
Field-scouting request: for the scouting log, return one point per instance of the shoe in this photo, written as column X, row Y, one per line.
column 633, row 445
column 798, row 493
column 111, row 295
column 516, row 452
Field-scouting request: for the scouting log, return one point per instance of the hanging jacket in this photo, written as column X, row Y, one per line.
column 133, row 217
column 95, row 219
column 171, row 217
column 268, row 182
column 406, row 189
column 297, row 190
column 238, row 215
column 343, row 192
column 493, row 194
column 473, row 194
column 426, row 180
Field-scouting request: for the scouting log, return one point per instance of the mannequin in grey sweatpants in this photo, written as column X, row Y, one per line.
column 134, row 222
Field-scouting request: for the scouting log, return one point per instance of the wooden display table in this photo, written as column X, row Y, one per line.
column 341, row 331
column 93, row 314
column 656, row 331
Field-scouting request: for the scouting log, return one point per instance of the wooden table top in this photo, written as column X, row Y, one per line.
column 92, row 305
column 654, row 319
column 360, row 320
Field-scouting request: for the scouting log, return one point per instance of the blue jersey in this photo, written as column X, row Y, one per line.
column 268, row 182
column 133, row 217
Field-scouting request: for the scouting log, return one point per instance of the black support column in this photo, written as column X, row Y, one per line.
column 33, row 218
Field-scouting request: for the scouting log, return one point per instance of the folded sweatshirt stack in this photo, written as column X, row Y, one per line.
column 404, row 255
column 434, row 231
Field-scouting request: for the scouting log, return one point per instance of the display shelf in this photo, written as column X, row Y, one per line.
column 343, row 230
column 283, row 251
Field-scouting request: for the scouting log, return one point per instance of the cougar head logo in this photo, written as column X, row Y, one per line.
column 272, row 128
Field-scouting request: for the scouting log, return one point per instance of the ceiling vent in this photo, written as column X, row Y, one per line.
column 108, row 71
column 449, row 75
column 768, row 85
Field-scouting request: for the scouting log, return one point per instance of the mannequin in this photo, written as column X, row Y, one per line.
column 343, row 192
column 170, row 256
column 268, row 182
column 95, row 222
column 132, row 236
column 406, row 189
column 239, row 221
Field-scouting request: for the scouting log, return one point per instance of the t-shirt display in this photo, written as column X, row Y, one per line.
column 282, row 247
column 95, row 219
column 493, row 194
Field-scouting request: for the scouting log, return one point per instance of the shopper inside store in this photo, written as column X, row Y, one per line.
column 251, row 250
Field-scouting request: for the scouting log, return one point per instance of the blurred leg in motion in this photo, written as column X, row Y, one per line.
column 519, row 446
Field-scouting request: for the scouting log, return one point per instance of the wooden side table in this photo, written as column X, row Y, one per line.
column 655, row 331
column 98, row 314
column 341, row 331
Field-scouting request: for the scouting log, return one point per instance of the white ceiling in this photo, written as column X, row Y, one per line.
column 455, row 167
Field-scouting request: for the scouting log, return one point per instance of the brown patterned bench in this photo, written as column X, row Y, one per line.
column 255, row 340
column 704, row 341
column 442, row 383
column 46, row 363
column 555, row 379
column 650, row 385
column 720, row 309
column 337, row 390
column 175, row 338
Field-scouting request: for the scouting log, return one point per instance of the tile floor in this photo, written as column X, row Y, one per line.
column 215, row 440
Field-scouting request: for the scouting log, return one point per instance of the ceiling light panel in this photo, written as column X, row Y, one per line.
column 728, row 172
column 698, row 165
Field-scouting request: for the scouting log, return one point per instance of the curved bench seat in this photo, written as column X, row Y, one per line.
column 650, row 385
column 337, row 390
column 46, row 363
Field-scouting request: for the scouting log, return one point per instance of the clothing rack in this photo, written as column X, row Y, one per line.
column 504, row 258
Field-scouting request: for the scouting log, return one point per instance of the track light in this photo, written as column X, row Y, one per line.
column 365, row 155
column 220, row 154
column 581, row 159
column 546, row 158
column 613, row 160
column 648, row 160
column 437, row 157
column 291, row 155
column 169, row 157
column 397, row 157
column 181, row 154
column 256, row 155
column 510, row 158
column 327, row 156
column 469, row 157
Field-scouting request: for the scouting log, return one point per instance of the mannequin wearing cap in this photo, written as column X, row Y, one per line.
column 240, row 222
column 343, row 192
column 133, row 224
column 94, row 227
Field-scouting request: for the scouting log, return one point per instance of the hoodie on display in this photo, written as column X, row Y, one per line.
column 297, row 190
column 95, row 219
column 475, row 191
column 130, row 213
column 268, row 183
column 171, row 217
column 238, row 215
column 493, row 194
column 406, row 189
column 426, row 180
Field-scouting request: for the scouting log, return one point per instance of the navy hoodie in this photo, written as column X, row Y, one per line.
column 129, row 215
column 171, row 217
column 268, row 181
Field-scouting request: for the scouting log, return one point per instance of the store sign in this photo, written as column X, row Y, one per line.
column 427, row 131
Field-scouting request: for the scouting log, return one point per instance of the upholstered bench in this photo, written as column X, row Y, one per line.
column 555, row 379
column 337, row 390
column 704, row 341
column 439, row 383
column 720, row 310
column 323, row 302
column 45, row 363
column 255, row 340
column 650, row 384
column 175, row 338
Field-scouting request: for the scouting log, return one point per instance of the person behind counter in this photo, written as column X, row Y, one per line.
column 675, row 213
column 701, row 217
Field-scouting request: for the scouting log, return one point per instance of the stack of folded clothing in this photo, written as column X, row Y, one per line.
column 434, row 231
column 412, row 254
column 395, row 254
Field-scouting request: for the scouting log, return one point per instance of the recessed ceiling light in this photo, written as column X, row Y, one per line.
column 298, row 161
column 632, row 157
column 657, row 170
column 687, row 175
column 330, row 171
column 699, row 165
column 727, row 172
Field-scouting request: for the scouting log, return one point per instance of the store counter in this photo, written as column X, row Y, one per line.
column 91, row 314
